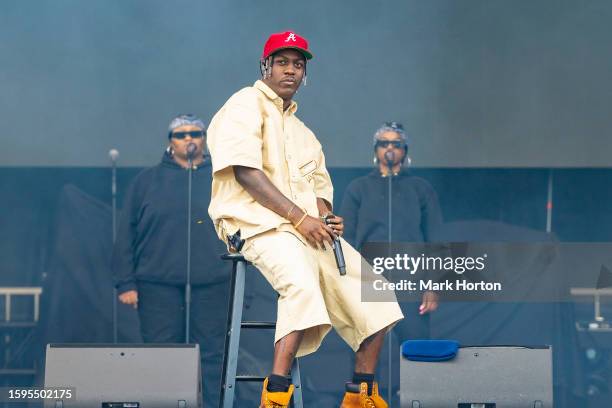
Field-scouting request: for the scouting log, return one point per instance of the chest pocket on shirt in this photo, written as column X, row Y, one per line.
column 307, row 170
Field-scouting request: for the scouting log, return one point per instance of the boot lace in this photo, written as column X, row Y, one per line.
column 270, row 404
column 368, row 403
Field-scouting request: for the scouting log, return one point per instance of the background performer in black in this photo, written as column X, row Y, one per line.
column 150, row 255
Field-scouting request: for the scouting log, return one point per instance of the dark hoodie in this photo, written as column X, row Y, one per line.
column 416, row 211
column 152, row 232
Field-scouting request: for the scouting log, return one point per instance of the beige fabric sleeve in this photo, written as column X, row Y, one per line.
column 237, row 139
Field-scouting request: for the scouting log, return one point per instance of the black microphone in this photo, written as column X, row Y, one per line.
column 191, row 149
column 390, row 157
column 337, row 247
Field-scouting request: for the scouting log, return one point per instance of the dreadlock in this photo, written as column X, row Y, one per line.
column 265, row 67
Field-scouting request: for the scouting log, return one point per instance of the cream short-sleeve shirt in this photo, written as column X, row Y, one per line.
column 253, row 130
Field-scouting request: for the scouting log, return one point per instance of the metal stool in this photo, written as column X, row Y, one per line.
column 232, row 339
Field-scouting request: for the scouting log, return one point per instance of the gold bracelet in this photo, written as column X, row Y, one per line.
column 301, row 219
column 290, row 211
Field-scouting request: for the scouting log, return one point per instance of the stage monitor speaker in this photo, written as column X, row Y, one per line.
column 125, row 375
column 480, row 377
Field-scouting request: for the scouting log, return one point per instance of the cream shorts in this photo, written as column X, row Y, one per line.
column 313, row 295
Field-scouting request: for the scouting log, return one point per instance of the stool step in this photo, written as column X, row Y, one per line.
column 250, row 378
column 258, row 325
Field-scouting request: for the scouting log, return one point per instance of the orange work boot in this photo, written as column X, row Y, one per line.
column 357, row 397
column 275, row 399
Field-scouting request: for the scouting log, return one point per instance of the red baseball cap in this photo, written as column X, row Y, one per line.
column 288, row 39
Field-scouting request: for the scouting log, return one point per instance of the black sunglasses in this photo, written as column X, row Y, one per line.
column 195, row 134
column 398, row 144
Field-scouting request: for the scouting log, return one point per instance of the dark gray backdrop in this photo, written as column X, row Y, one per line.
column 476, row 82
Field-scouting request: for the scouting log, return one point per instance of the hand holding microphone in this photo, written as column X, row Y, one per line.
column 336, row 223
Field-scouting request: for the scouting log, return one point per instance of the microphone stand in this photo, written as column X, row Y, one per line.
column 389, row 158
column 190, row 152
column 549, row 202
column 113, row 156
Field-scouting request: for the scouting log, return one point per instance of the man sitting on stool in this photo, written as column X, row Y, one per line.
column 271, row 184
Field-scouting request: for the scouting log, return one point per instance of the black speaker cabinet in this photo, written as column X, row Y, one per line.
column 480, row 377
column 124, row 375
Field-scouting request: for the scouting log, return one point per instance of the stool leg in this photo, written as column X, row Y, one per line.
column 232, row 339
column 296, row 380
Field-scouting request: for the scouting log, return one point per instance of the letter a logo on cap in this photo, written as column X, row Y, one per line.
column 284, row 40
